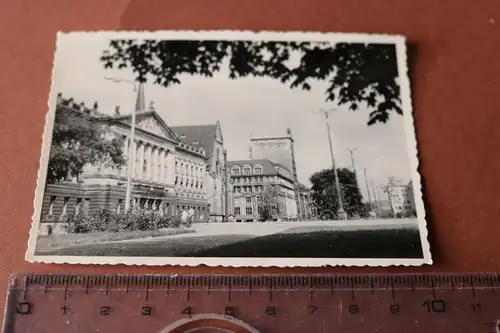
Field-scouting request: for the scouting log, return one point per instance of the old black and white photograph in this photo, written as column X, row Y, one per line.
column 229, row 149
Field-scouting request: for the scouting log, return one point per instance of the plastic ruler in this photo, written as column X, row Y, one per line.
column 253, row 303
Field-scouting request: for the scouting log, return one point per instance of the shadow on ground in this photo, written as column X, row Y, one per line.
column 333, row 244
column 402, row 243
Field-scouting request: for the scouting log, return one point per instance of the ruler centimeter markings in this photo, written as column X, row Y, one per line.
column 253, row 303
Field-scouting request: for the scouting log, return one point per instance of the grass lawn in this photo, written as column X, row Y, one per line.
column 56, row 241
column 164, row 247
column 395, row 243
column 298, row 243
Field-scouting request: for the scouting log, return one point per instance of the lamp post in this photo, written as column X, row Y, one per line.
column 377, row 203
column 351, row 152
column 340, row 212
column 226, row 188
column 139, row 106
column 368, row 191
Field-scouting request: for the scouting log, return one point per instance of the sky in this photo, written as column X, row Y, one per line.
column 245, row 107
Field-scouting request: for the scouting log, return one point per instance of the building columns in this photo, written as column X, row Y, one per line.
column 154, row 170
column 162, row 166
column 140, row 169
column 127, row 153
column 148, row 153
column 286, row 204
column 171, row 168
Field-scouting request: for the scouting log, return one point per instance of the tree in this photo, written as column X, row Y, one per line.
column 268, row 203
column 357, row 73
column 78, row 140
column 324, row 194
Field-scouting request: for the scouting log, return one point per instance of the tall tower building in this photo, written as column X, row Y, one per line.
column 279, row 149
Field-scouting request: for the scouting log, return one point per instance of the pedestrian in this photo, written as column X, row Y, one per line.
column 191, row 215
column 184, row 217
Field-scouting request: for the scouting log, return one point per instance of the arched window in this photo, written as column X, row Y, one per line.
column 258, row 169
column 235, row 170
column 247, row 169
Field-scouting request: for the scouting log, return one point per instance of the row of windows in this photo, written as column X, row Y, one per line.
column 147, row 204
column 154, row 174
column 185, row 168
column 247, row 169
column 77, row 208
column 248, row 189
column 248, row 210
column 264, row 179
column 188, row 182
column 402, row 207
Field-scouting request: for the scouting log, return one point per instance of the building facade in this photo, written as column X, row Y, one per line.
column 209, row 137
column 410, row 205
column 251, row 179
column 168, row 174
column 305, row 211
column 280, row 150
column 401, row 198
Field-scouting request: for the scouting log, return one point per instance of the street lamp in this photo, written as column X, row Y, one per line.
column 132, row 147
column 375, row 198
column 351, row 152
column 226, row 188
column 341, row 212
column 368, row 192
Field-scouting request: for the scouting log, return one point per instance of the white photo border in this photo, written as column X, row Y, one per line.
column 406, row 102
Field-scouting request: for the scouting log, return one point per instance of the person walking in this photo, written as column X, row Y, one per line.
column 184, row 217
column 190, row 215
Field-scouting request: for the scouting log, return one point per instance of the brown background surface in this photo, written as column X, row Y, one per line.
column 456, row 97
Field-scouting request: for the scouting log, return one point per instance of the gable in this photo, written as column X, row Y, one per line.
column 152, row 123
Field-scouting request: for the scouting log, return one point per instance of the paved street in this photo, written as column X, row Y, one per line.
column 267, row 228
column 281, row 239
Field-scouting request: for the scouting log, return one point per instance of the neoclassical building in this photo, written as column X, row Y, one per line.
column 168, row 174
column 250, row 178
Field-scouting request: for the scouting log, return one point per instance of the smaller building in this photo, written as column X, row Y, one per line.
column 251, row 179
column 409, row 202
column 305, row 211
column 401, row 198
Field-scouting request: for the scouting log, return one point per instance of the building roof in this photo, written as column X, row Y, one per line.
column 268, row 166
column 197, row 136
column 126, row 119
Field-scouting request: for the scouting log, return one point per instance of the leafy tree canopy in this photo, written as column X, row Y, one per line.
column 356, row 73
column 324, row 193
column 76, row 141
column 269, row 206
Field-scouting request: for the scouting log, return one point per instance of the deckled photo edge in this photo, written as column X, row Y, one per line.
column 230, row 261
column 44, row 156
column 412, row 146
column 400, row 43
column 310, row 36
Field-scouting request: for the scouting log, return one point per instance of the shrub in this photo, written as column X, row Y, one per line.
column 77, row 223
column 107, row 220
